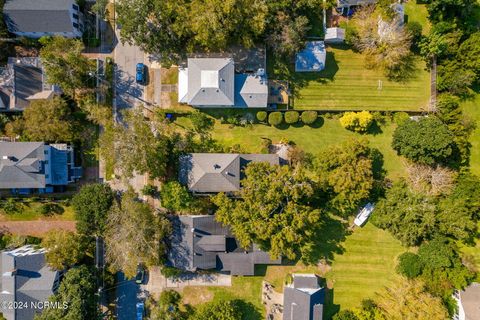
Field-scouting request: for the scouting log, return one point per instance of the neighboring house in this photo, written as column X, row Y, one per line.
column 38, row 18
column 351, row 3
column 388, row 29
column 312, row 58
column 206, row 173
column 334, row 35
column 201, row 243
column 22, row 81
column 26, row 281
column 468, row 302
column 27, row 167
column 212, row 82
column 303, row 299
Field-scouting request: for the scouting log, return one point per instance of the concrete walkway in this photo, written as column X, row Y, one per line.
column 158, row 283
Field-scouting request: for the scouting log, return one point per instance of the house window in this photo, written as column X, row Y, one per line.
column 75, row 7
column 45, row 152
column 46, row 161
column 47, row 176
column 75, row 25
column 75, row 16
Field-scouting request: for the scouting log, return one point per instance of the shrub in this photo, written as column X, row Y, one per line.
column 409, row 265
column 266, row 143
column 49, row 209
column 357, row 121
column 10, row 206
column 262, row 116
column 309, row 117
column 150, row 190
column 175, row 197
column 171, row 272
column 345, row 315
column 275, row 118
column 400, row 117
column 291, row 117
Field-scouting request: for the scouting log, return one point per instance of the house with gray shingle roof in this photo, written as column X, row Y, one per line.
column 303, row 299
column 205, row 173
column 201, row 243
column 35, row 166
column 212, row 82
column 35, row 19
column 25, row 280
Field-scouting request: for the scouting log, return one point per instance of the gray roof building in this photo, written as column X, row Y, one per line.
column 39, row 18
column 26, row 279
column 468, row 302
column 349, row 3
column 36, row 165
column 199, row 242
column 212, row 82
column 303, row 299
column 217, row 172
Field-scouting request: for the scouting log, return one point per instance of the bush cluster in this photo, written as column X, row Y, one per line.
column 275, row 118
column 357, row 121
column 292, row 117
column 262, row 116
column 309, row 117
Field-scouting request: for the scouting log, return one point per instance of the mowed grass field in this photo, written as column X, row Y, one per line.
column 346, row 84
column 471, row 107
column 315, row 139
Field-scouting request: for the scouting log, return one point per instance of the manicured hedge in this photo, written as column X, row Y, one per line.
column 291, row 117
column 262, row 116
column 309, row 117
column 275, row 118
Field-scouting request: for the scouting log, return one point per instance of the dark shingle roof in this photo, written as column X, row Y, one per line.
column 38, row 15
column 199, row 242
column 28, row 81
column 303, row 300
column 217, row 172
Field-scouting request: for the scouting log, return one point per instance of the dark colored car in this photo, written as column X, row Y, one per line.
column 140, row 277
column 141, row 75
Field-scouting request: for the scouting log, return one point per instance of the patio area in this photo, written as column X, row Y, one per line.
column 278, row 92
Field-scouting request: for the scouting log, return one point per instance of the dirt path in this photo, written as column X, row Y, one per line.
column 35, row 228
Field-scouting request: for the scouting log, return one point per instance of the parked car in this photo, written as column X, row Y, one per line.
column 140, row 310
column 364, row 214
column 141, row 74
column 140, row 277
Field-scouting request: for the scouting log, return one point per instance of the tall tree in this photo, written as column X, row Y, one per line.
column 47, row 120
column 168, row 307
column 64, row 63
column 220, row 310
column 273, row 210
column 426, row 141
column 134, row 234
column 75, row 296
column 346, row 171
column 91, row 205
column 64, row 249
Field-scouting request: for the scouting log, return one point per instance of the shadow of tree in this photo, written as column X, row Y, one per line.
column 330, row 308
column 249, row 311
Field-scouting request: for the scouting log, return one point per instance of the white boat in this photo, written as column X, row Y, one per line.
column 364, row 214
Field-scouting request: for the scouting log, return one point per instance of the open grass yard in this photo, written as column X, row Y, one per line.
column 471, row 107
column 312, row 139
column 247, row 289
column 30, row 210
column 415, row 12
column 346, row 84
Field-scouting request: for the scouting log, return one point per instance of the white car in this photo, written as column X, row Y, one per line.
column 364, row 214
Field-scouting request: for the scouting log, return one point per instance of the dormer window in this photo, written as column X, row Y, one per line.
column 75, row 16
column 75, row 7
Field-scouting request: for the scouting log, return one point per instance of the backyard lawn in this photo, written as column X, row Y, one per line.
column 313, row 139
column 346, row 84
column 30, row 211
column 415, row 12
column 472, row 108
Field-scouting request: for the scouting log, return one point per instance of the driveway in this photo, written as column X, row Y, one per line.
column 127, row 295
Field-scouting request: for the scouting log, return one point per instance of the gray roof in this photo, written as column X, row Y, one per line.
column 217, row 172
column 470, row 298
column 199, row 242
column 211, row 81
column 22, row 165
column 303, row 299
column 25, row 278
column 38, row 15
column 251, row 91
column 28, row 81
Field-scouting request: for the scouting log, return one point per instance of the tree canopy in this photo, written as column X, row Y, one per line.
column 167, row 307
column 91, row 205
column 175, row 197
column 77, row 292
column 133, row 234
column 64, row 249
column 273, row 210
column 346, row 171
column 426, row 141
column 220, row 310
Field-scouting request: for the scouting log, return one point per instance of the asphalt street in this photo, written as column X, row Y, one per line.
column 127, row 293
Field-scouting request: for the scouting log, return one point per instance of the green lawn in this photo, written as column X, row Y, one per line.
column 366, row 266
column 247, row 289
column 346, row 84
column 415, row 12
column 472, row 108
column 29, row 211
column 314, row 139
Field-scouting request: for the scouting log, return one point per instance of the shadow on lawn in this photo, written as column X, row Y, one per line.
column 330, row 308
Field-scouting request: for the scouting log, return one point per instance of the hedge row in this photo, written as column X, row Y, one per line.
column 276, row 118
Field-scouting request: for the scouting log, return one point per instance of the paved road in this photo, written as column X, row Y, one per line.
column 128, row 92
column 127, row 292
